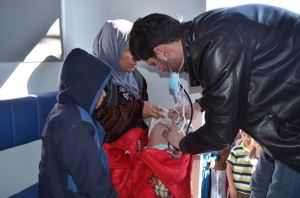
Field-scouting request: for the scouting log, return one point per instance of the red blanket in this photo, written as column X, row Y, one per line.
column 145, row 172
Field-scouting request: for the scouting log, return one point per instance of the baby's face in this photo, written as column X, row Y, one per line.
column 156, row 137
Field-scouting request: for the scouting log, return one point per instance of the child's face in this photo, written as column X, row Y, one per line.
column 246, row 139
column 100, row 100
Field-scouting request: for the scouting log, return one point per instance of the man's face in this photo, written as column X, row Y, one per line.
column 167, row 57
column 155, row 62
column 165, row 64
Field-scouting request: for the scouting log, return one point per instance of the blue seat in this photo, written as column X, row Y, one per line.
column 30, row 192
column 22, row 121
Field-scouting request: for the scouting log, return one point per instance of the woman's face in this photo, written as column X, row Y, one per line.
column 127, row 62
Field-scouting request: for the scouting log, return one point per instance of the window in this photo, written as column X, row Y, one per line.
column 30, row 30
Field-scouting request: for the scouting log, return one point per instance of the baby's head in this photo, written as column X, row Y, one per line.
column 154, row 121
column 155, row 135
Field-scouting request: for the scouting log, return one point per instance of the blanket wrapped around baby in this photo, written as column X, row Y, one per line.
column 137, row 171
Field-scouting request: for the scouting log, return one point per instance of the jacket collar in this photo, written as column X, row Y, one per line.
column 187, row 39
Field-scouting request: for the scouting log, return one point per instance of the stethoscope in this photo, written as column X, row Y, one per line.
column 191, row 106
column 185, row 92
column 176, row 154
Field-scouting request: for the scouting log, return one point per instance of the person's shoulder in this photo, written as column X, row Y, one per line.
column 65, row 115
column 63, row 118
column 75, row 124
column 67, row 110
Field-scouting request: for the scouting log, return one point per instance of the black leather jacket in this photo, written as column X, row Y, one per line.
column 247, row 59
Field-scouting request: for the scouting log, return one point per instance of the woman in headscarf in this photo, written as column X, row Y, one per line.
column 138, row 168
column 126, row 103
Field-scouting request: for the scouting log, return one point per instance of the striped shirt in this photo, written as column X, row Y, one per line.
column 242, row 167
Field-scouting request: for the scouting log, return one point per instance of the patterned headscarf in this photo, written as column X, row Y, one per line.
column 109, row 45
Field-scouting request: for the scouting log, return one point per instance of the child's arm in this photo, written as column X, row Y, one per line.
column 232, row 190
column 230, row 163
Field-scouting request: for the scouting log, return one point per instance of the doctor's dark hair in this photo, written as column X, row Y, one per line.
column 151, row 31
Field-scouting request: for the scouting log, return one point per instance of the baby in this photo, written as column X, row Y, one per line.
column 157, row 126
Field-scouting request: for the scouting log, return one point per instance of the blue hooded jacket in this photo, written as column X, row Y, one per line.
column 73, row 162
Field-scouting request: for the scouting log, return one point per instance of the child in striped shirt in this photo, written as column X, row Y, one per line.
column 240, row 167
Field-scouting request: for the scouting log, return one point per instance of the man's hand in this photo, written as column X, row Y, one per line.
column 152, row 110
column 177, row 113
column 173, row 134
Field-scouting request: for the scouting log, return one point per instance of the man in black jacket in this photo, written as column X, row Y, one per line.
column 247, row 60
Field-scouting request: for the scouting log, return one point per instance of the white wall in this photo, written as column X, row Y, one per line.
column 19, row 168
column 82, row 21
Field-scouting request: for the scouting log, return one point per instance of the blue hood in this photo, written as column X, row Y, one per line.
column 82, row 79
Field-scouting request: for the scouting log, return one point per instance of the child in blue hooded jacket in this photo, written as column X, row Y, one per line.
column 73, row 162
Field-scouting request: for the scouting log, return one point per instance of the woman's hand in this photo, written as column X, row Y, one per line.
column 152, row 110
